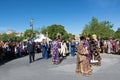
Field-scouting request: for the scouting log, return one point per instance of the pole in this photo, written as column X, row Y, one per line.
column 31, row 25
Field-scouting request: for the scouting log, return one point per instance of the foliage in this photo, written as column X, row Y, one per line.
column 117, row 34
column 28, row 33
column 4, row 37
column 55, row 30
column 101, row 29
column 19, row 38
column 10, row 37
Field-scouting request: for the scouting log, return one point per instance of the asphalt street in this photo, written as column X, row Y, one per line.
column 41, row 69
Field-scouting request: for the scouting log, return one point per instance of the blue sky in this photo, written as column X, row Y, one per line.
column 73, row 14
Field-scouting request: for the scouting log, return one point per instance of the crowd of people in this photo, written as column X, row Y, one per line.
column 12, row 50
column 85, row 50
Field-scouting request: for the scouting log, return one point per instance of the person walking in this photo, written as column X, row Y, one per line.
column 63, row 49
column 54, row 51
column 44, row 47
column 30, row 49
column 72, row 47
column 83, row 64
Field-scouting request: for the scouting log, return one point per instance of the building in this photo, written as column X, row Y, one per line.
column 13, row 32
column 77, row 38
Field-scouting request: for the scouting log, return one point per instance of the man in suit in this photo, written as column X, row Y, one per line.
column 30, row 49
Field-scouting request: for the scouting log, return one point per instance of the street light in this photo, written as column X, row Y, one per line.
column 31, row 25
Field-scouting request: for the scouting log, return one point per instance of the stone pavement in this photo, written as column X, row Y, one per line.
column 41, row 69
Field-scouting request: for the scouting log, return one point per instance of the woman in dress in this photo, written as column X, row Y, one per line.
column 55, row 52
column 83, row 63
column 63, row 49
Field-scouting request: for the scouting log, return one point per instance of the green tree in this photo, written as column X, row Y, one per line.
column 4, row 37
column 9, row 37
column 55, row 29
column 19, row 38
column 12, row 37
column 28, row 33
column 117, row 34
column 101, row 29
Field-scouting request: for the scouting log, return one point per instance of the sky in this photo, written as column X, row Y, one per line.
column 72, row 14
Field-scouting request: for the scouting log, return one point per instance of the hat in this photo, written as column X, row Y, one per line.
column 82, row 38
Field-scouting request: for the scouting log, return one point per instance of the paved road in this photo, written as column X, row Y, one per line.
column 41, row 69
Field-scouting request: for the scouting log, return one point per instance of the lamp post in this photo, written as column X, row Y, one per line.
column 31, row 25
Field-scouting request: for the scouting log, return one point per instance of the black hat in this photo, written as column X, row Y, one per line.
column 82, row 38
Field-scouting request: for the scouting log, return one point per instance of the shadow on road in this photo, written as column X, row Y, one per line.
column 38, row 59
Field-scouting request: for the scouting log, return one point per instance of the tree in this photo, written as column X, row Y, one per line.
column 28, row 33
column 4, row 37
column 55, row 29
column 10, row 37
column 117, row 34
column 101, row 29
column 19, row 38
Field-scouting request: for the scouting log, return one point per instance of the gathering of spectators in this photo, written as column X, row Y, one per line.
column 110, row 46
column 13, row 50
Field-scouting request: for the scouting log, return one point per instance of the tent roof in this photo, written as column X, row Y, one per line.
column 40, row 37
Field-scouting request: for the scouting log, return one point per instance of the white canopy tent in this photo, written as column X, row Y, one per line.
column 40, row 37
